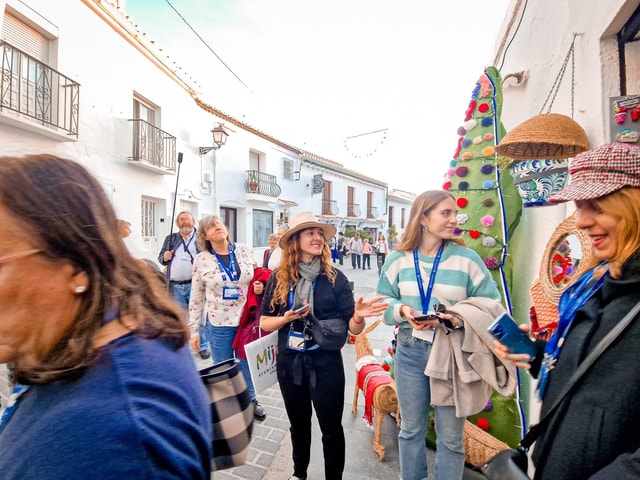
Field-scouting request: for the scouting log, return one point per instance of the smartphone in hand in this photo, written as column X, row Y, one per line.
column 301, row 308
column 423, row 318
column 506, row 331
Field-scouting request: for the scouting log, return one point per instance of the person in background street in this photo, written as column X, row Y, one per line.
column 276, row 255
column 307, row 374
column 333, row 247
column 273, row 243
column 177, row 254
column 430, row 266
column 367, row 250
column 342, row 247
column 382, row 248
column 222, row 276
column 591, row 435
column 124, row 228
column 355, row 248
column 104, row 386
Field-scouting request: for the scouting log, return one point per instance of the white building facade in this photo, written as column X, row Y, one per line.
column 82, row 81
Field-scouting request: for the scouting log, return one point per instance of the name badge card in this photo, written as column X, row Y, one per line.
column 231, row 293
column 295, row 341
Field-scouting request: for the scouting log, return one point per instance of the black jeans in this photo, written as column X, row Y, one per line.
column 366, row 260
column 355, row 260
column 321, row 383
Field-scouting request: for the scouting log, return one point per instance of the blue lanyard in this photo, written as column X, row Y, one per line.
column 290, row 297
column 571, row 300
column 432, row 278
column 232, row 271
column 16, row 393
column 186, row 244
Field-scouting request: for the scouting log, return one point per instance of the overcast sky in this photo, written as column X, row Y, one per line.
column 315, row 73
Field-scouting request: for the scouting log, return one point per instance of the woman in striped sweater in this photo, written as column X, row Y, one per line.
column 428, row 267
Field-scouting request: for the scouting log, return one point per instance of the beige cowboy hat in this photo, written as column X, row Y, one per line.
column 303, row 220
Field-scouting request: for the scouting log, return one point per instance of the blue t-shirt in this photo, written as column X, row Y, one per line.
column 140, row 412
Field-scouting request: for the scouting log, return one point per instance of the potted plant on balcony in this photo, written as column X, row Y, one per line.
column 253, row 182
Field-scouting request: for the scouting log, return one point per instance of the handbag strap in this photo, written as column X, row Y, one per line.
column 602, row 345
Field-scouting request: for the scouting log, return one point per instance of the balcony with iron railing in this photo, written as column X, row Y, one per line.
column 330, row 207
column 353, row 209
column 35, row 92
column 261, row 183
column 372, row 212
column 153, row 148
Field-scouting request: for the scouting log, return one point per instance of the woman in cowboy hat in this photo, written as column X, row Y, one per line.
column 305, row 288
column 590, row 435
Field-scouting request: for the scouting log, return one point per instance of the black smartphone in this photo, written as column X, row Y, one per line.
column 506, row 330
column 422, row 318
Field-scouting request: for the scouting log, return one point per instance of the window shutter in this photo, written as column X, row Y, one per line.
column 25, row 38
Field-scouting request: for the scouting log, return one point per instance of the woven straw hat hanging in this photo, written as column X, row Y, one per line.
column 548, row 135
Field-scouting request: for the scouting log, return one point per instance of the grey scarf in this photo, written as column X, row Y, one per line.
column 308, row 273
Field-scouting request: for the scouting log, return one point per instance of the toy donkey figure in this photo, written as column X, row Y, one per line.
column 377, row 386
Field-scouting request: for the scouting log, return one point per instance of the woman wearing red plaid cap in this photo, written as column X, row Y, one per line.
column 593, row 433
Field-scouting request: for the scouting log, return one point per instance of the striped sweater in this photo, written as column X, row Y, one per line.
column 461, row 274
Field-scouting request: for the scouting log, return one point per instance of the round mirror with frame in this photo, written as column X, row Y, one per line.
column 566, row 257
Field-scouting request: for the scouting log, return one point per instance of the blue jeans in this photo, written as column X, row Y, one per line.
column 182, row 294
column 414, row 397
column 221, row 341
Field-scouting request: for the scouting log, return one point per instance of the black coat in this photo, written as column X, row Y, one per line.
column 596, row 432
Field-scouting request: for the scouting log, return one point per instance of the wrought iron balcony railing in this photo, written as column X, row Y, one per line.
column 153, row 147
column 34, row 90
column 330, row 207
column 372, row 212
column 353, row 209
column 261, row 183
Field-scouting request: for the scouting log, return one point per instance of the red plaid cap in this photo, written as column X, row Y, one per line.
column 601, row 171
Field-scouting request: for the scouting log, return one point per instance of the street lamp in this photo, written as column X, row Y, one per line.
column 219, row 139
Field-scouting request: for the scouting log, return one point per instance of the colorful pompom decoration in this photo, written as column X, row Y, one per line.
column 453, row 163
column 487, row 168
column 483, row 423
column 462, row 218
column 461, row 131
column 457, row 231
column 461, row 171
column 488, row 136
column 446, row 186
column 488, row 151
column 465, row 143
column 488, row 202
column 467, row 156
column 477, row 140
column 461, row 202
column 488, row 407
column 483, row 107
column 488, row 185
column 385, row 367
column 486, row 121
column 451, row 172
column 475, row 234
column 469, row 125
column 463, row 186
column 488, row 242
column 487, row 220
column 491, row 263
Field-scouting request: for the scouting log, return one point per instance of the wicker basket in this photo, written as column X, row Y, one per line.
column 548, row 135
column 480, row 446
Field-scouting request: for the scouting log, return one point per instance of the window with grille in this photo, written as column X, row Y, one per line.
column 287, row 169
column 148, row 218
